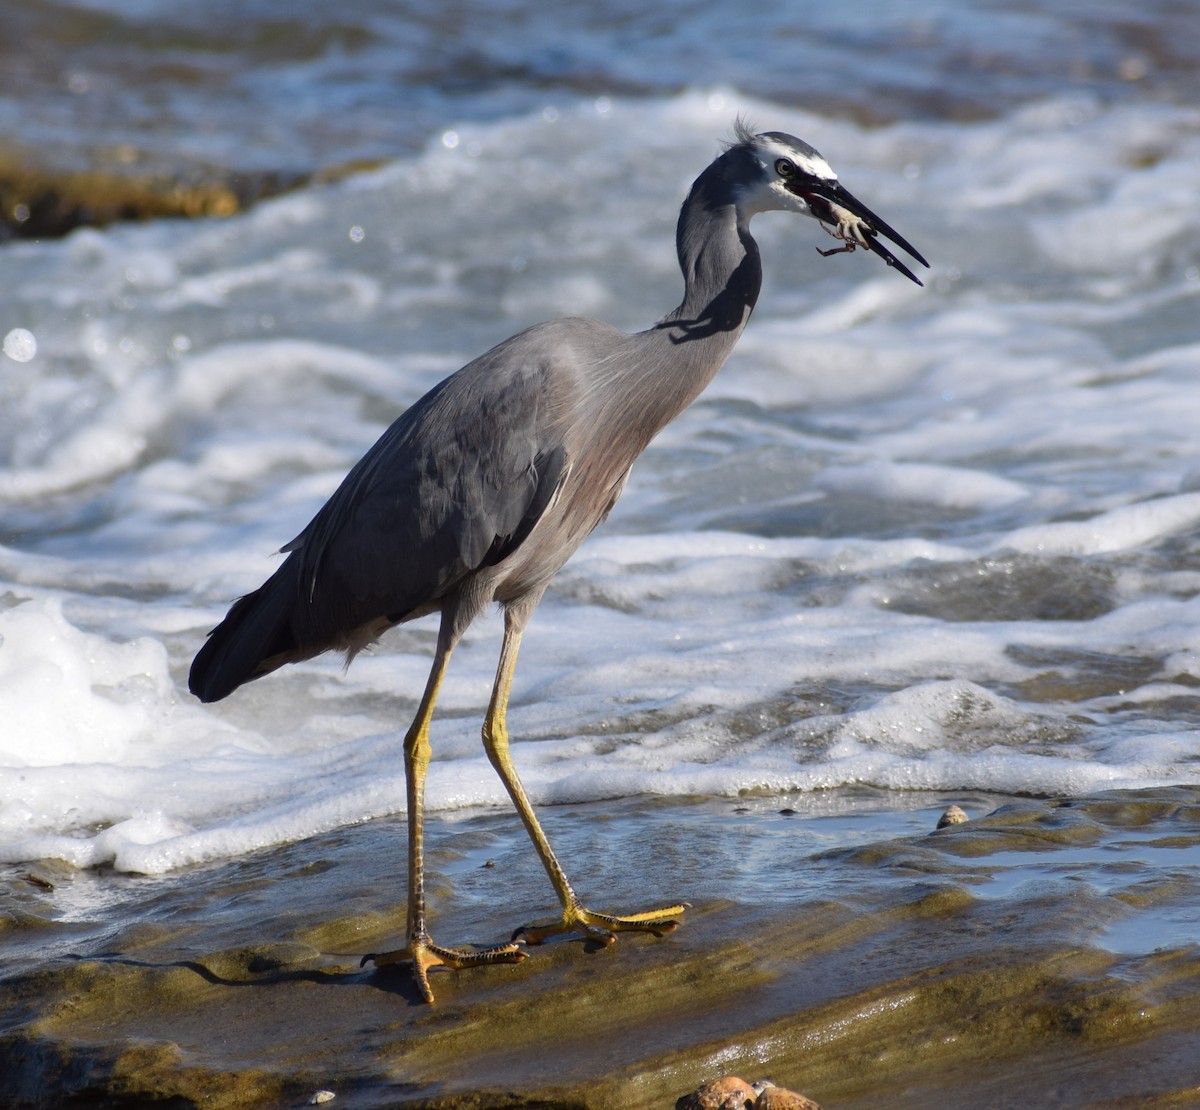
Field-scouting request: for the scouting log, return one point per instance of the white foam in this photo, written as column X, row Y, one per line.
column 69, row 697
column 782, row 600
column 1130, row 526
column 952, row 487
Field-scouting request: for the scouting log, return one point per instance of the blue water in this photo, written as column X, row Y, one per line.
column 268, row 84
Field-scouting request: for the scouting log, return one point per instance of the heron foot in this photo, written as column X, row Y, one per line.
column 422, row 954
column 602, row 928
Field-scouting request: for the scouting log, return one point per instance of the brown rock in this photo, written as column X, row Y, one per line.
column 726, row 1093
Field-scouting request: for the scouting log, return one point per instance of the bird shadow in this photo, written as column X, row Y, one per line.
column 261, row 972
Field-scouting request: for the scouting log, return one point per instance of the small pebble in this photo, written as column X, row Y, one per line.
column 771, row 1097
column 953, row 816
column 320, row 1097
column 726, row 1093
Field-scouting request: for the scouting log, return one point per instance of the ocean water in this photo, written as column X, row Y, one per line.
column 919, row 540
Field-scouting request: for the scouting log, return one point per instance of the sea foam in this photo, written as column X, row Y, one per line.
column 934, row 540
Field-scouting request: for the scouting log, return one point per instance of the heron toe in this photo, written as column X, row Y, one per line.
column 602, row 927
column 422, row 954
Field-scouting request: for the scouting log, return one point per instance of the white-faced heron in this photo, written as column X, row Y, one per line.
column 484, row 488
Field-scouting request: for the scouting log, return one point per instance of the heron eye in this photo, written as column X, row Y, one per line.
column 785, row 168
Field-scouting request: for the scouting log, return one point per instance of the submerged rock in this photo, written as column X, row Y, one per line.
column 780, row 1098
column 726, row 1093
column 731, row 1093
column 953, row 816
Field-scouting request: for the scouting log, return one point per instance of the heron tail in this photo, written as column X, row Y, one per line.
column 255, row 638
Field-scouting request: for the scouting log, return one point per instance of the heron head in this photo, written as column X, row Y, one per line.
column 786, row 174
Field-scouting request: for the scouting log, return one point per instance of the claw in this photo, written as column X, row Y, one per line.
column 422, row 954
column 602, row 927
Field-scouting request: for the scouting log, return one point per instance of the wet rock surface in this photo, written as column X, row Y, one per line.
column 39, row 201
column 1041, row 954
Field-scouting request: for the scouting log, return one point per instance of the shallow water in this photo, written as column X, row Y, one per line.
column 938, row 539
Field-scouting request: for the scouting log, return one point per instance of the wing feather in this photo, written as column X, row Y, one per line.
column 456, row 484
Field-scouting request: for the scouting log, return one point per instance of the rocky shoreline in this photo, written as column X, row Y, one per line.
column 908, row 983
column 41, row 201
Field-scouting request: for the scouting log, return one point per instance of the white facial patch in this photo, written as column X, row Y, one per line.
column 770, row 192
column 805, row 159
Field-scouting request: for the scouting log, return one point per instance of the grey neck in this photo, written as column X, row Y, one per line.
column 722, row 270
column 675, row 359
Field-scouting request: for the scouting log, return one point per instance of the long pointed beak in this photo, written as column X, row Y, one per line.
column 856, row 225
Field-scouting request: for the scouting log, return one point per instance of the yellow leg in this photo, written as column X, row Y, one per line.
column 575, row 917
column 421, row 950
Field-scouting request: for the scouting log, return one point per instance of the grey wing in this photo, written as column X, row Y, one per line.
column 453, row 486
